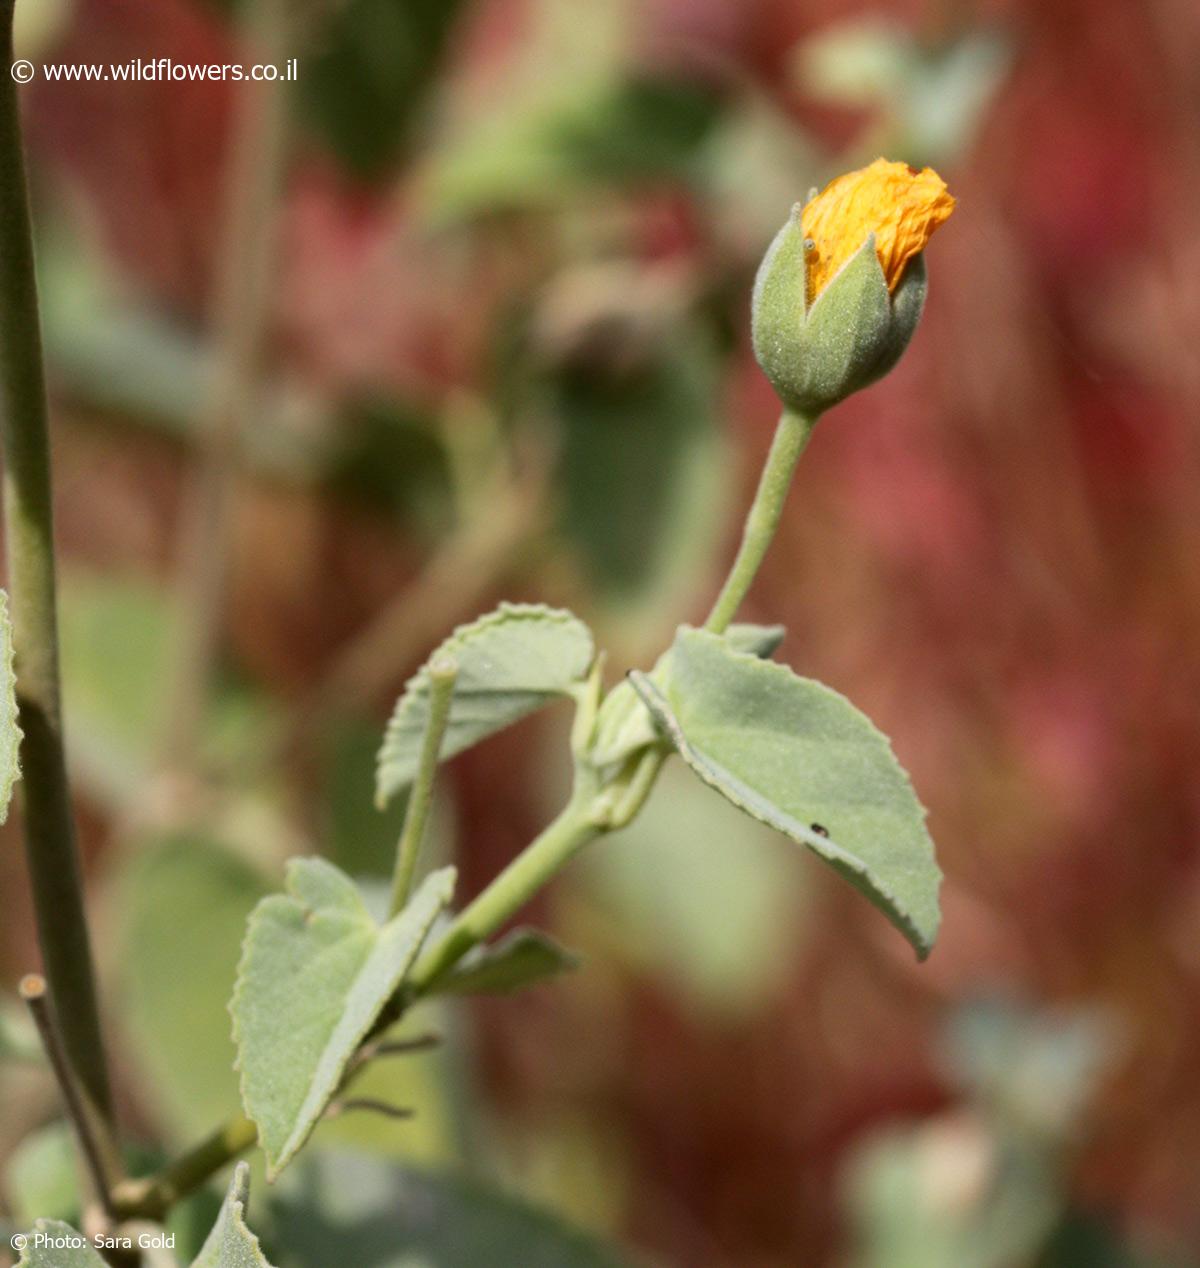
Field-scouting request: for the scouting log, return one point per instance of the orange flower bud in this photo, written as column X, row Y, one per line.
column 899, row 205
column 841, row 289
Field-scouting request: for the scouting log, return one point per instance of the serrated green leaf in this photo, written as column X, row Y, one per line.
column 316, row 972
column 10, row 732
column 73, row 1250
column 231, row 1244
column 517, row 960
column 510, row 663
column 800, row 757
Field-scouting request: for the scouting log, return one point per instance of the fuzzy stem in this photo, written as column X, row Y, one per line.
column 442, row 675
column 152, row 1197
column 791, row 436
column 29, row 529
column 508, row 892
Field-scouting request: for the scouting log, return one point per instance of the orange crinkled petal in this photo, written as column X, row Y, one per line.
column 900, row 205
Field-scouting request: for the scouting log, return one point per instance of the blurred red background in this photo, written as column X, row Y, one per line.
column 995, row 552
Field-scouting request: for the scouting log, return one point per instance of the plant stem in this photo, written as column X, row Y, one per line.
column 508, row 892
column 98, row 1154
column 791, row 436
column 442, row 675
column 587, row 815
column 240, row 315
column 29, row 527
column 153, row 1196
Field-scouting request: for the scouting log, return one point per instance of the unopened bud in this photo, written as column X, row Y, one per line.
column 841, row 289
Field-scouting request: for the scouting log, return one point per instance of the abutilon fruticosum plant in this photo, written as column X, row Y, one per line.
column 322, row 980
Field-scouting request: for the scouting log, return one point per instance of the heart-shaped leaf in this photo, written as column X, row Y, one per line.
column 316, row 973
column 517, row 960
column 510, row 663
column 801, row 758
column 231, row 1244
column 10, row 732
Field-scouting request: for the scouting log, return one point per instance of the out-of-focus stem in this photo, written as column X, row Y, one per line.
column 97, row 1150
column 242, row 301
column 29, row 538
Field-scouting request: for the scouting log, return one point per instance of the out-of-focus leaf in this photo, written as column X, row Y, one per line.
column 392, row 458
column 10, row 732
column 517, row 960
column 758, row 165
column 611, row 132
column 114, row 658
column 181, row 910
column 699, row 894
column 359, row 837
column 1035, row 1071
column 18, row 1038
column 1089, row 1241
column 510, row 663
column 343, row 1209
column 642, row 470
column 948, row 1194
column 41, row 1180
column 984, row 1186
column 53, row 1244
column 799, row 757
column 932, row 96
column 36, row 26
column 367, row 72
column 231, row 1244
column 316, row 972
column 116, row 635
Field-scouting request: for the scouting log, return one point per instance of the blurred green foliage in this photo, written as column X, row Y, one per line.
column 342, row 1208
column 699, row 895
column 181, row 906
column 365, row 72
column 605, row 136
